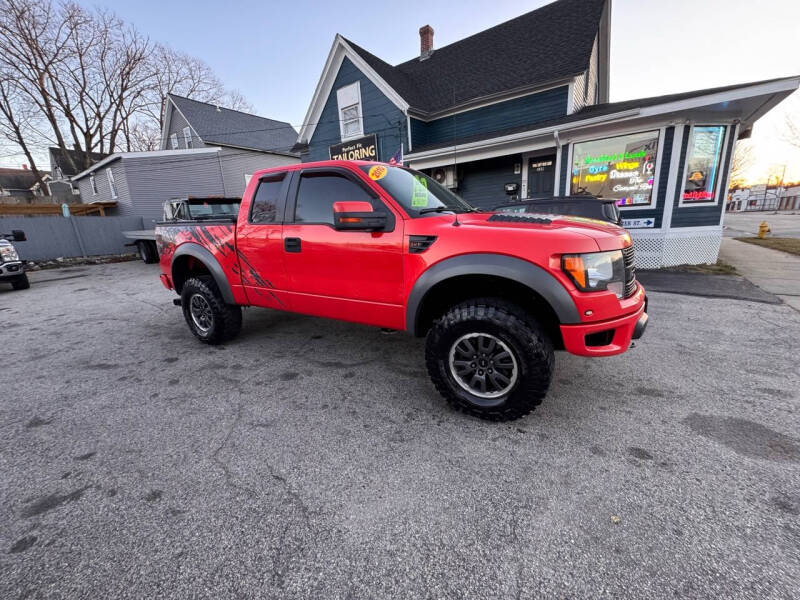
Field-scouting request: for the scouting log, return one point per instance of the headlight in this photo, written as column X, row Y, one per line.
column 596, row 271
column 8, row 254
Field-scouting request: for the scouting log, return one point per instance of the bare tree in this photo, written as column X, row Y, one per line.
column 178, row 73
column 16, row 123
column 84, row 81
column 83, row 71
column 744, row 157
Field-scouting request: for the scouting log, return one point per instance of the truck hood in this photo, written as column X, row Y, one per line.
column 607, row 235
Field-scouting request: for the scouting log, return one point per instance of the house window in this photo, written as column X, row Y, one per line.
column 621, row 167
column 111, row 183
column 173, row 141
column 187, row 137
column 351, row 123
column 93, row 183
column 702, row 166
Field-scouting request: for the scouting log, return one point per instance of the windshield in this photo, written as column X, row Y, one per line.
column 417, row 193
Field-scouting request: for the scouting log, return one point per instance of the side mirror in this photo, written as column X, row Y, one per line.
column 19, row 235
column 357, row 216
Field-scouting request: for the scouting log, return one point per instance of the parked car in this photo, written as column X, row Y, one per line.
column 590, row 207
column 12, row 269
column 494, row 293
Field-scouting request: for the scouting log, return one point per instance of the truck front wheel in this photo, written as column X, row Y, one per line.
column 489, row 358
column 210, row 319
column 21, row 282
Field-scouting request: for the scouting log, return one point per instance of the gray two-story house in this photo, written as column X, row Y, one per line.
column 527, row 103
column 206, row 150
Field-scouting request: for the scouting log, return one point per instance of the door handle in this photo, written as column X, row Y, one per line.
column 291, row 244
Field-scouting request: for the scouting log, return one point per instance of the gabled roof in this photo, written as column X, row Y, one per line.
column 227, row 127
column 57, row 160
column 17, row 179
column 546, row 45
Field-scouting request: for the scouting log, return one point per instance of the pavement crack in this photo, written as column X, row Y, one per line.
column 223, row 465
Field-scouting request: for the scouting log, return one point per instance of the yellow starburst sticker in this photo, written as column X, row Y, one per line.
column 377, row 172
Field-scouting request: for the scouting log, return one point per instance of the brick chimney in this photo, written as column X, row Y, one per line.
column 425, row 41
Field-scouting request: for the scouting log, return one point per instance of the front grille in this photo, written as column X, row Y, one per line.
column 630, row 270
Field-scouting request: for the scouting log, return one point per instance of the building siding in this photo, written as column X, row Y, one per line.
column 154, row 180
column 584, row 90
column 380, row 116
column 656, row 212
column 527, row 110
column 176, row 125
column 481, row 182
column 236, row 163
column 104, row 189
column 697, row 216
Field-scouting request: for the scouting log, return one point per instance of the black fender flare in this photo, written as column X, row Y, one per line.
column 499, row 265
column 204, row 256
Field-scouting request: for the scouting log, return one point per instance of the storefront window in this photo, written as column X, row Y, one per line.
column 619, row 167
column 702, row 166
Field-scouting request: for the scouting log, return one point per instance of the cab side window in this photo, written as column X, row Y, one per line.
column 267, row 199
column 318, row 191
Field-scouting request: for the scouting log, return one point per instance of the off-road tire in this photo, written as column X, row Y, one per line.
column 147, row 251
column 226, row 319
column 21, row 282
column 518, row 330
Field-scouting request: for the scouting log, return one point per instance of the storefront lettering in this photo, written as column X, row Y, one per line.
column 624, row 174
column 627, row 165
column 701, row 195
column 632, row 188
column 621, row 156
column 596, row 178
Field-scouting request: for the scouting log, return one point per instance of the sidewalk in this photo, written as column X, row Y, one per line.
column 771, row 270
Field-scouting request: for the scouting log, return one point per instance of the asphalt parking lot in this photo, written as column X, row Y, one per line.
column 312, row 458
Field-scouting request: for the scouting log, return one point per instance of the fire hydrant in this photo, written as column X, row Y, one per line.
column 763, row 230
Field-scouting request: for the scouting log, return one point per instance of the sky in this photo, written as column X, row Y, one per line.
column 273, row 52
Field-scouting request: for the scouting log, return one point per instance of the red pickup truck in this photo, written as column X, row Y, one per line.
column 495, row 293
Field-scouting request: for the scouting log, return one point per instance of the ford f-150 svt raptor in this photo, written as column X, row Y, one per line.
column 495, row 293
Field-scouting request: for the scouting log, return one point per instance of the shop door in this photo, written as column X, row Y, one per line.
column 541, row 176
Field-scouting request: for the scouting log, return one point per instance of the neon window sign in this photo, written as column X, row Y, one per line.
column 620, row 167
column 702, row 165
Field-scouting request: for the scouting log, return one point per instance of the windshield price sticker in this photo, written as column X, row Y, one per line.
column 419, row 196
column 378, row 172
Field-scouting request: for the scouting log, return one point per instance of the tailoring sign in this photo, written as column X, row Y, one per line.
column 364, row 148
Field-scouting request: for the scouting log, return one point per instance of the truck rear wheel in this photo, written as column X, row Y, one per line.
column 490, row 359
column 210, row 319
column 147, row 251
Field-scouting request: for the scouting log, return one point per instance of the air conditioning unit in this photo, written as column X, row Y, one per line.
column 446, row 176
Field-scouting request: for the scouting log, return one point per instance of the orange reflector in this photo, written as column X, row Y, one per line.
column 574, row 266
column 350, row 219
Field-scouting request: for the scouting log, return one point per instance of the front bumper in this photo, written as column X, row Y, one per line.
column 607, row 338
column 11, row 269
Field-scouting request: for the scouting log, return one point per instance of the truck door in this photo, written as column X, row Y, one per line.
column 350, row 275
column 260, row 243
